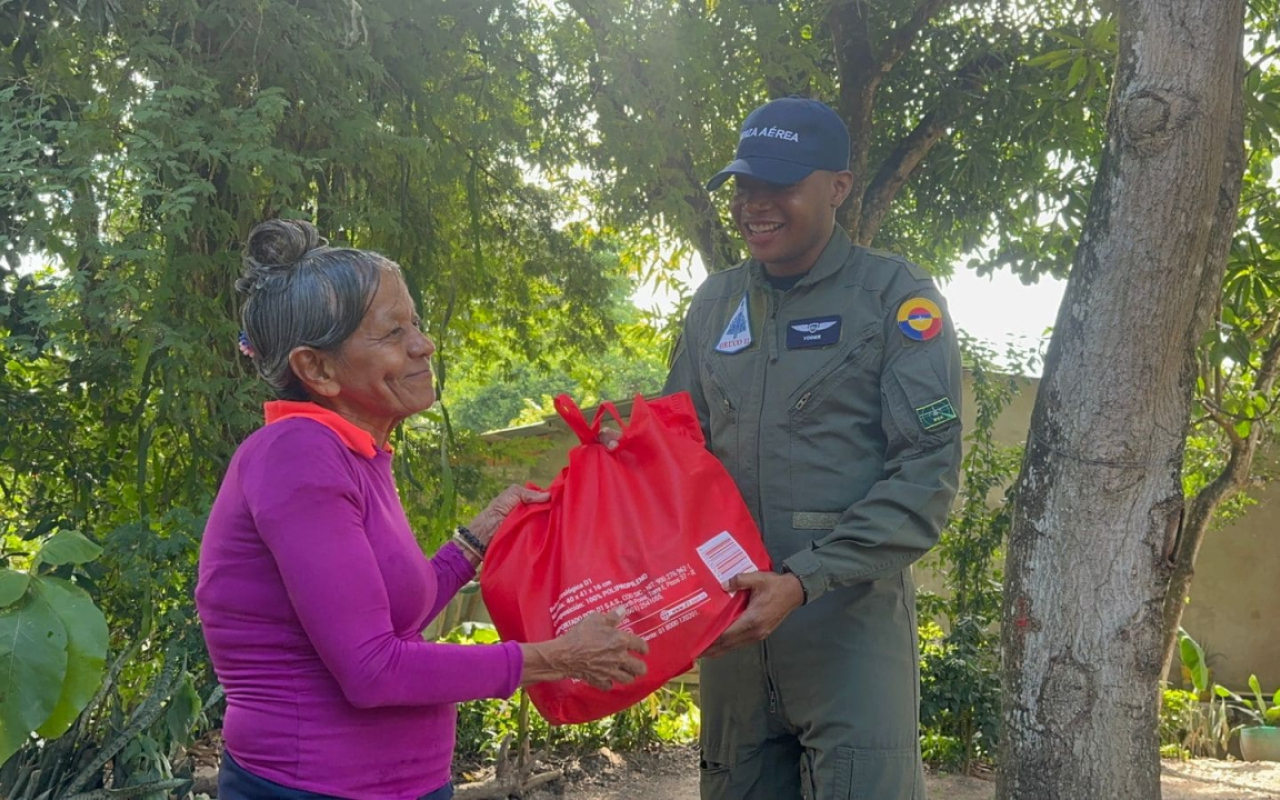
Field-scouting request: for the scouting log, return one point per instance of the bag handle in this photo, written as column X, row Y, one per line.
column 613, row 412
column 577, row 422
column 572, row 415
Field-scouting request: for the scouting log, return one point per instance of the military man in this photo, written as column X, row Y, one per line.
column 827, row 380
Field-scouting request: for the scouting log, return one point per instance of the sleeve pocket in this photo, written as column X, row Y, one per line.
column 919, row 399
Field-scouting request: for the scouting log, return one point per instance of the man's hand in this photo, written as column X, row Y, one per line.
column 773, row 597
column 609, row 438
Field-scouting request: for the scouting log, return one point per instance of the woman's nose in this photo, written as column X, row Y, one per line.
column 422, row 346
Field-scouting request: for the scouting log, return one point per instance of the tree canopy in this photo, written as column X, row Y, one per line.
column 527, row 164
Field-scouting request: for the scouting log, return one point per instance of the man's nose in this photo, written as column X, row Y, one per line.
column 756, row 199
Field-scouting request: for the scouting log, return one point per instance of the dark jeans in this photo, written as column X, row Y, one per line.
column 237, row 783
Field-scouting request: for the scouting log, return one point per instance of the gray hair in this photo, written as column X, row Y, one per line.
column 301, row 292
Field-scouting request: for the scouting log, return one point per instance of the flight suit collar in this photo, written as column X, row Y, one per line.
column 833, row 257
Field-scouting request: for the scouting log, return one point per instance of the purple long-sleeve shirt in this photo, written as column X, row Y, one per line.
column 313, row 594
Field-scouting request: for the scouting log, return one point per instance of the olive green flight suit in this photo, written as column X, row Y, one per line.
column 846, row 447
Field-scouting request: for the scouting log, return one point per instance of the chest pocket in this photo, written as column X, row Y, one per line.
column 816, row 390
column 722, row 401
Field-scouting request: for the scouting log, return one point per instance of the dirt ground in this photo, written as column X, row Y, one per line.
column 672, row 775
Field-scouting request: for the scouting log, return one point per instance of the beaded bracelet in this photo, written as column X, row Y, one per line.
column 470, row 541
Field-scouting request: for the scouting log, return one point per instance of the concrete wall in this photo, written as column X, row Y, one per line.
column 1234, row 610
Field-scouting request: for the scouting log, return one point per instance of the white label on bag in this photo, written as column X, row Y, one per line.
column 725, row 557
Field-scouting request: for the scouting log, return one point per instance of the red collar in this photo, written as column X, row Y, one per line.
column 353, row 436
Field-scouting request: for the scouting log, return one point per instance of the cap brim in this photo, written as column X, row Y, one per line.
column 769, row 170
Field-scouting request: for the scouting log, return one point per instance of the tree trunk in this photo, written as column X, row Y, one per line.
column 1100, row 499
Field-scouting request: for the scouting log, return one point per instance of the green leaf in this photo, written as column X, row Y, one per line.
column 1256, row 688
column 33, row 662
column 86, row 651
column 13, row 585
column 68, row 547
column 1052, row 59
column 1078, row 70
column 1193, row 659
column 184, row 711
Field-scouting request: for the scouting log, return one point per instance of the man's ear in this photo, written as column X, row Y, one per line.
column 316, row 371
column 841, row 184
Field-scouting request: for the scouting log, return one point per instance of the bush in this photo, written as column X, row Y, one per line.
column 669, row 716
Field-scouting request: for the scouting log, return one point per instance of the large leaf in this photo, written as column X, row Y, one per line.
column 68, row 547
column 12, row 586
column 86, row 651
column 33, row 662
column 1193, row 663
column 184, row 711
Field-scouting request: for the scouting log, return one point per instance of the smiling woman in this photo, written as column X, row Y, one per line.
column 313, row 592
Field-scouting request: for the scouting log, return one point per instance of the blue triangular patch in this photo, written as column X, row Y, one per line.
column 737, row 334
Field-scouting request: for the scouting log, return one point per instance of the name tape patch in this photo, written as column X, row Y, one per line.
column 813, row 332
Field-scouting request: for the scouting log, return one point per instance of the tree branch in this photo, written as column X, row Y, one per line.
column 1262, row 58
column 1199, row 512
column 851, row 38
column 905, row 35
column 859, row 76
column 897, row 168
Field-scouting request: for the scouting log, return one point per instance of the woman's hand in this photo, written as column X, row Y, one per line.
column 594, row 651
column 487, row 522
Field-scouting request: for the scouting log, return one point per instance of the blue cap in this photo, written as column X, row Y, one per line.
column 784, row 140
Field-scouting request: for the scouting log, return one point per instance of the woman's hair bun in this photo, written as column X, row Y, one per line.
column 274, row 248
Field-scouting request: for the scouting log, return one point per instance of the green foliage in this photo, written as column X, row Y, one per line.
column 1194, row 724
column 138, row 145
column 1191, row 727
column 669, row 716
column 53, row 643
column 960, row 680
column 1195, row 668
column 493, row 394
column 1256, row 709
column 1022, row 85
column 1236, row 393
column 941, row 750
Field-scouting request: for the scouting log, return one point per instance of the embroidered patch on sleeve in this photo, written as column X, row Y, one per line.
column 936, row 414
column 920, row 319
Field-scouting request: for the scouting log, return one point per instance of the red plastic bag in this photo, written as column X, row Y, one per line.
column 654, row 526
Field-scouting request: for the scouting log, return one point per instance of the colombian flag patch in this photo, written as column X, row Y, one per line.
column 920, row 319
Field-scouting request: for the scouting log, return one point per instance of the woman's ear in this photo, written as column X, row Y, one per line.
column 315, row 369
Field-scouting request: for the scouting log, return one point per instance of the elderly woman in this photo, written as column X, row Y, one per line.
column 313, row 592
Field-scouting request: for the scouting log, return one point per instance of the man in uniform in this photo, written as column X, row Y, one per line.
column 827, row 380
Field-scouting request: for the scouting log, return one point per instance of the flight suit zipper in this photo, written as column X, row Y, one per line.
column 816, row 381
column 769, row 347
column 768, row 678
column 730, row 410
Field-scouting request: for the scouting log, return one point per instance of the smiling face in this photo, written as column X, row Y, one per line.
column 786, row 227
column 381, row 375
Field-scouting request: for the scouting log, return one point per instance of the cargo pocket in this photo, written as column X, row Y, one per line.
column 843, row 782
column 919, row 400
column 715, row 779
column 883, row 774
